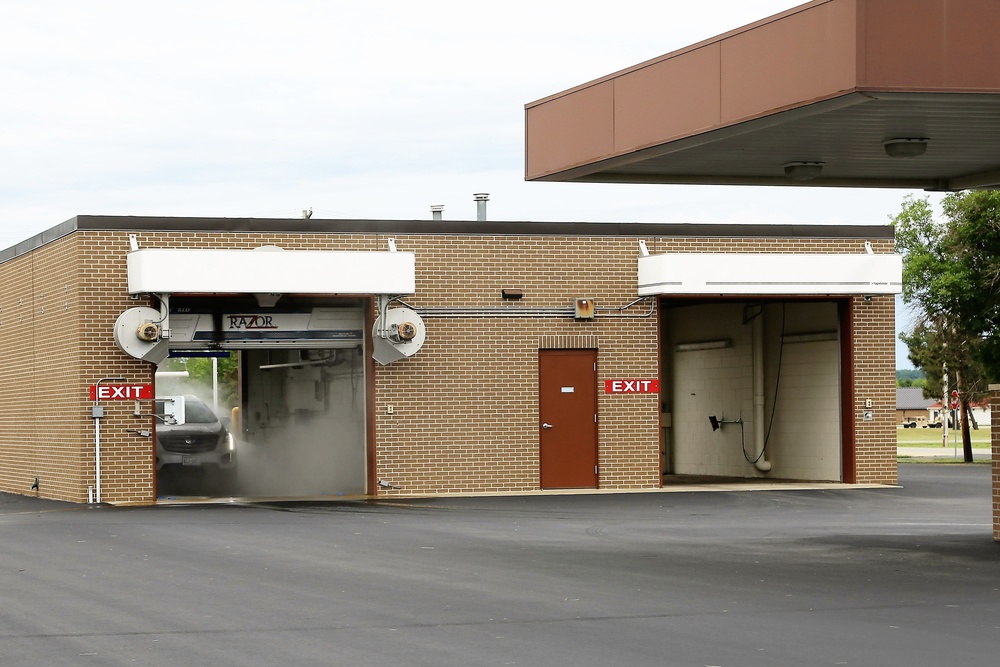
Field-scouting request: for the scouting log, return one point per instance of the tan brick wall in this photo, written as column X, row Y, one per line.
column 875, row 379
column 40, row 431
column 995, row 440
column 465, row 410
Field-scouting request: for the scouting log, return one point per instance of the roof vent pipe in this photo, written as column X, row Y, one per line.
column 437, row 211
column 481, row 199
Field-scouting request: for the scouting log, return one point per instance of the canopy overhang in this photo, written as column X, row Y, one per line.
column 852, row 93
column 752, row 274
column 270, row 270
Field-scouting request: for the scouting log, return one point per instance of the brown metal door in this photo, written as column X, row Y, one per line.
column 567, row 410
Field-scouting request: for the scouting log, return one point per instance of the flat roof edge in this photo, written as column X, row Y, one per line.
column 442, row 227
column 477, row 227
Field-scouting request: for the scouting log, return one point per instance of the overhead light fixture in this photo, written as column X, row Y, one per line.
column 511, row 294
column 803, row 171
column 267, row 300
column 704, row 345
column 816, row 337
column 905, row 146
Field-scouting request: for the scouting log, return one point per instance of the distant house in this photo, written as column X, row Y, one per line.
column 979, row 413
column 912, row 407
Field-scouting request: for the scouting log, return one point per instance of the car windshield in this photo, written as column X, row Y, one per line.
column 196, row 412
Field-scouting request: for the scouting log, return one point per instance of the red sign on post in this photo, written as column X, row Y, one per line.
column 631, row 386
column 121, row 392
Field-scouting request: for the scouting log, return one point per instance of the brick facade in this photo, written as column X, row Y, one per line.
column 465, row 408
column 995, row 440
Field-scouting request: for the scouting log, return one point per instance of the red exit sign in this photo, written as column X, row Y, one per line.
column 121, row 392
column 631, row 386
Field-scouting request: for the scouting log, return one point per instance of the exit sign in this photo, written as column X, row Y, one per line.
column 631, row 386
column 121, row 392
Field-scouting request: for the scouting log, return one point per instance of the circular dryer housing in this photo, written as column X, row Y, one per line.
column 131, row 330
column 406, row 335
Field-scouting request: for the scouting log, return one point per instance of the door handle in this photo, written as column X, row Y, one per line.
column 546, row 425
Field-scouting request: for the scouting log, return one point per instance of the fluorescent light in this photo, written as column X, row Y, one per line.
column 704, row 345
column 810, row 337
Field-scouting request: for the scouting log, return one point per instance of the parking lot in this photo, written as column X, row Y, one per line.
column 887, row 576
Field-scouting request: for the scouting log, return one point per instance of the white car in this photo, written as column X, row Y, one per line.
column 197, row 439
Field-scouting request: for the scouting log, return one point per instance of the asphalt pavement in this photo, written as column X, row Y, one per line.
column 736, row 578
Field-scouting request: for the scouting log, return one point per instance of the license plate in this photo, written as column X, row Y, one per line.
column 190, row 461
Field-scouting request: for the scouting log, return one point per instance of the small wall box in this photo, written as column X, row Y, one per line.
column 585, row 308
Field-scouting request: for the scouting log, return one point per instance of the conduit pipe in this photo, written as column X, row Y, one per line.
column 522, row 311
column 97, row 413
column 759, row 461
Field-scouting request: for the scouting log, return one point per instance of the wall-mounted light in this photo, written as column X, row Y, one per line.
column 704, row 345
column 905, row 146
column 511, row 294
column 803, row 171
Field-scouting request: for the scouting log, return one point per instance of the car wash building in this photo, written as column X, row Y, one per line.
column 432, row 357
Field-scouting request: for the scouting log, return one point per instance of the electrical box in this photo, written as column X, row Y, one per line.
column 585, row 308
column 170, row 409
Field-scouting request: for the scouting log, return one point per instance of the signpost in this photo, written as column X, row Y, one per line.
column 953, row 416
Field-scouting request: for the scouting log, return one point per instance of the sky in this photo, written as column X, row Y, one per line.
column 371, row 110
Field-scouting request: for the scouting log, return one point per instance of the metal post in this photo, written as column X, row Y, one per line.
column 945, row 409
column 97, row 458
column 97, row 415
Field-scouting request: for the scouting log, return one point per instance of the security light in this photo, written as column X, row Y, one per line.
column 905, row 146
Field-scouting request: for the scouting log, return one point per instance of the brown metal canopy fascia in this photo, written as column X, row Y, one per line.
column 827, row 83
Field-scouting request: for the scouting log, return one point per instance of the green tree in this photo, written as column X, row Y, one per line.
column 951, row 271
column 974, row 243
column 910, row 378
column 199, row 378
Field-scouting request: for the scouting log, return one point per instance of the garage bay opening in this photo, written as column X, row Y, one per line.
column 270, row 402
column 755, row 390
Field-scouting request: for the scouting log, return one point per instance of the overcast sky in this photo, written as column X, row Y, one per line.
column 264, row 108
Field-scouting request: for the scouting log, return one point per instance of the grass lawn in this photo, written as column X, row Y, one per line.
column 931, row 437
